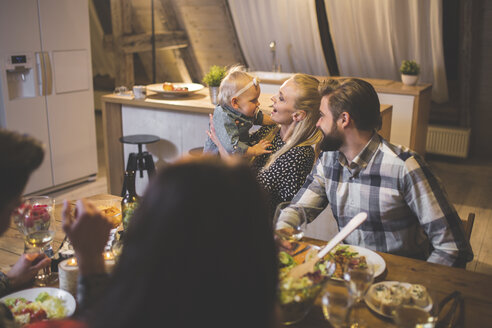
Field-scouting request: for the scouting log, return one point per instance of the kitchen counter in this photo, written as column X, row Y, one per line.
column 180, row 122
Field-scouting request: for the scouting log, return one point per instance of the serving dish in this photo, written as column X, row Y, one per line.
column 159, row 88
column 378, row 310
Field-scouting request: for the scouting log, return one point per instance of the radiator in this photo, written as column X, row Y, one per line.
column 448, row 140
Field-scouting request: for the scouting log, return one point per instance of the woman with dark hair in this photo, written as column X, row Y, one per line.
column 20, row 155
column 199, row 251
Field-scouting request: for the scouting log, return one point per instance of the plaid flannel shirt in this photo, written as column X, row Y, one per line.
column 408, row 211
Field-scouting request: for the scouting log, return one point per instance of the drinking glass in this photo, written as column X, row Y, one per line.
column 296, row 215
column 413, row 316
column 358, row 279
column 35, row 220
column 336, row 303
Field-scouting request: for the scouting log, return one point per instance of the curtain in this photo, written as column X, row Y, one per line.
column 372, row 37
column 292, row 24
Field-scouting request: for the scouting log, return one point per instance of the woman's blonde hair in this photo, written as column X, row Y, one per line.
column 305, row 132
column 235, row 79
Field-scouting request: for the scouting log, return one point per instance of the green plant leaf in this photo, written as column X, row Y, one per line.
column 409, row 67
column 214, row 76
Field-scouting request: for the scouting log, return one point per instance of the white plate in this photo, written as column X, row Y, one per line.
column 159, row 87
column 372, row 258
column 32, row 293
column 390, row 283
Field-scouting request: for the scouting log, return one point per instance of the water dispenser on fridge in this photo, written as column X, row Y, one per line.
column 21, row 82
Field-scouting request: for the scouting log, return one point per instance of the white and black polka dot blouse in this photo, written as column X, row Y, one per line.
column 287, row 174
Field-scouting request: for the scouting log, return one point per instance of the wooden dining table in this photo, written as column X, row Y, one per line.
column 475, row 288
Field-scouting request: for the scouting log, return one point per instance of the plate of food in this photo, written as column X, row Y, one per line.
column 36, row 304
column 169, row 88
column 384, row 297
column 355, row 255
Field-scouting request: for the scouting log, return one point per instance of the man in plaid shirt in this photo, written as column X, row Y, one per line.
column 359, row 171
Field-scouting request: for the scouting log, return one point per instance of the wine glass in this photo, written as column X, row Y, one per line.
column 358, row 279
column 336, row 303
column 290, row 220
column 35, row 220
column 412, row 316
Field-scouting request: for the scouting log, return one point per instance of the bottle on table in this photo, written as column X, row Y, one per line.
column 130, row 201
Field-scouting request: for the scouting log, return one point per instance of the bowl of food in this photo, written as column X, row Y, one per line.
column 297, row 295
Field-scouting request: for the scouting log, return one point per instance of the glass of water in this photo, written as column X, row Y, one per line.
column 358, row 279
column 336, row 302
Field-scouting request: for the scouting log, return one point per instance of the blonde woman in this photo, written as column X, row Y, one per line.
column 293, row 138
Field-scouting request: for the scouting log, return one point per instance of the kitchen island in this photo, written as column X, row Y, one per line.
column 180, row 122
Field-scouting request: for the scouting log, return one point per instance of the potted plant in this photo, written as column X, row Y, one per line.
column 212, row 79
column 409, row 70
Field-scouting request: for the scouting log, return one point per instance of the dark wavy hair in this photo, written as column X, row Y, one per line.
column 355, row 96
column 198, row 252
column 20, row 155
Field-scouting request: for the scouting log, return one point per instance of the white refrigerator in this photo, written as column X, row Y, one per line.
column 46, row 85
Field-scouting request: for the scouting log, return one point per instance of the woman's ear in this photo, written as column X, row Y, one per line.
column 299, row 116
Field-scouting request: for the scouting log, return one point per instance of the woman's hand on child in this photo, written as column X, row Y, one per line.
column 259, row 149
column 213, row 136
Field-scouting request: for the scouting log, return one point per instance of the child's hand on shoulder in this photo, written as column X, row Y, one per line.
column 259, row 149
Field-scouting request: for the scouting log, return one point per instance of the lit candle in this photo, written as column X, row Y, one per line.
column 109, row 261
column 68, row 273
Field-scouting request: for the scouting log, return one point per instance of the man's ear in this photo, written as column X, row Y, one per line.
column 234, row 102
column 299, row 116
column 345, row 118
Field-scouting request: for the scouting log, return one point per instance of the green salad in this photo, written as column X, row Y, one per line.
column 43, row 307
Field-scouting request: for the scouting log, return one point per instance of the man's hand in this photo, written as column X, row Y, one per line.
column 26, row 268
column 88, row 232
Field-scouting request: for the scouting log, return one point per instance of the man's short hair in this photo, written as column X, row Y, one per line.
column 356, row 97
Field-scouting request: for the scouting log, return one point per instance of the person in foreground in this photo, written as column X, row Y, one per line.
column 19, row 156
column 186, row 261
column 359, row 171
column 295, row 113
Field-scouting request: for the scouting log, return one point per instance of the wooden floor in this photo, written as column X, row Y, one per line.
column 469, row 187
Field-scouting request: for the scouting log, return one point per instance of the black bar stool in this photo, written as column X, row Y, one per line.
column 142, row 160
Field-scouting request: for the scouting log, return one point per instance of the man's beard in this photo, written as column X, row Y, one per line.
column 331, row 141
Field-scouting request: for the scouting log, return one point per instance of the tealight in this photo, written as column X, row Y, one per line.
column 68, row 273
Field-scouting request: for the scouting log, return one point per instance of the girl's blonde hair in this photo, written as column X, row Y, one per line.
column 305, row 132
column 235, row 79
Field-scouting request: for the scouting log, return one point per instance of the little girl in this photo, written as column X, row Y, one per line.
column 236, row 113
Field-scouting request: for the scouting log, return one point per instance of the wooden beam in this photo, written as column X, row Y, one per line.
column 187, row 62
column 142, row 42
column 121, row 24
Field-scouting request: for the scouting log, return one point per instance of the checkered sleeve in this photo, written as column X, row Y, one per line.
column 427, row 199
column 312, row 194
